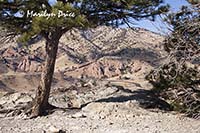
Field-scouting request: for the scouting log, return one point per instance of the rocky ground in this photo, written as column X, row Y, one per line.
column 111, row 109
column 99, row 80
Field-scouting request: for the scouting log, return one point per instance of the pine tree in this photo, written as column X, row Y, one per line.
column 16, row 19
column 194, row 1
column 177, row 80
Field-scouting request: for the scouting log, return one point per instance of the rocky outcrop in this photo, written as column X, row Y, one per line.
column 108, row 67
column 30, row 64
column 104, row 67
column 10, row 52
column 17, row 59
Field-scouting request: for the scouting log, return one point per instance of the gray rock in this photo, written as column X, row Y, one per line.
column 78, row 115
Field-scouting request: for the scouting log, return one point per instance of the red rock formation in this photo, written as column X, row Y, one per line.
column 29, row 64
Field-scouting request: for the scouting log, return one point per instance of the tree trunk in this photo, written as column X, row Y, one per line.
column 40, row 104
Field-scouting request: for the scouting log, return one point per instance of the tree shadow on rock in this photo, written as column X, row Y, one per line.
column 146, row 99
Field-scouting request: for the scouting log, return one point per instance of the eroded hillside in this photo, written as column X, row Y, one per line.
column 103, row 52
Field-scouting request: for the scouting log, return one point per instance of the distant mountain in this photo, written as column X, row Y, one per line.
column 78, row 47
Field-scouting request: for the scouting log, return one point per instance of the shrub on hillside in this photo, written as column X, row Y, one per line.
column 177, row 80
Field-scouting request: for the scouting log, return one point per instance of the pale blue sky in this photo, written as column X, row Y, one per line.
column 158, row 25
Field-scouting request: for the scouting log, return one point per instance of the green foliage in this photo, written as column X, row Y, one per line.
column 44, row 24
column 172, row 75
column 88, row 13
column 178, row 79
column 179, row 85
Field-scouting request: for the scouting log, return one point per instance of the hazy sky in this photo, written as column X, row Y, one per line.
column 158, row 25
